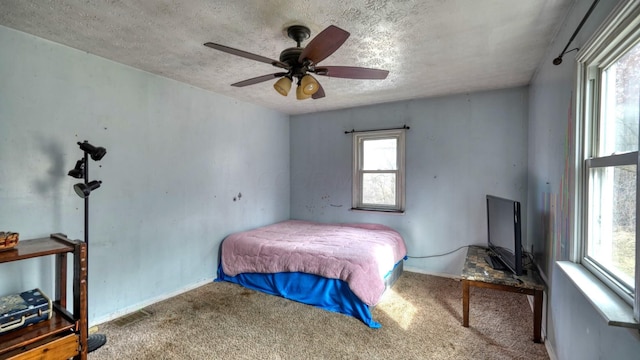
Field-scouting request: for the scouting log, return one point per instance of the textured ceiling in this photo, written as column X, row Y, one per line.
column 430, row 47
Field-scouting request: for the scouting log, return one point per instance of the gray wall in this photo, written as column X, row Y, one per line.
column 177, row 156
column 459, row 149
column 574, row 329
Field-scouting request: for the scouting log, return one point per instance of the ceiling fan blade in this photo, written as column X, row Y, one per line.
column 351, row 72
column 324, row 44
column 318, row 94
column 258, row 79
column 246, row 55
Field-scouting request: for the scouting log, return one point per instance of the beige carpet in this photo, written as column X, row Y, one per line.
column 421, row 319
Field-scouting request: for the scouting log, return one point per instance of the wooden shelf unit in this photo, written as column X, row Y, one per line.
column 64, row 336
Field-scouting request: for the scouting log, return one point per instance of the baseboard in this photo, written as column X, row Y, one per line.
column 549, row 347
column 421, row 271
column 530, row 299
column 143, row 304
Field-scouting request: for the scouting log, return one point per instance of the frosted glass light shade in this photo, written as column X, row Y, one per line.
column 300, row 95
column 309, row 84
column 283, row 86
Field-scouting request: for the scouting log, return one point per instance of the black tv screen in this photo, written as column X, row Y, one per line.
column 504, row 232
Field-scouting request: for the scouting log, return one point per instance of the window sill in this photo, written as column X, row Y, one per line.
column 612, row 308
column 390, row 212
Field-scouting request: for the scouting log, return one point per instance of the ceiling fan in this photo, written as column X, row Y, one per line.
column 298, row 62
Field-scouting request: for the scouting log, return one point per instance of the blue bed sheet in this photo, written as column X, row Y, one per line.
column 329, row 294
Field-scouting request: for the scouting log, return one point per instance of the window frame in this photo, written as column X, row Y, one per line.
column 358, row 172
column 619, row 32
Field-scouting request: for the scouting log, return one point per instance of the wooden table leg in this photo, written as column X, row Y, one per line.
column 537, row 315
column 465, row 303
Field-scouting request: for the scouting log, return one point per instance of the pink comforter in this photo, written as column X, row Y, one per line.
column 359, row 254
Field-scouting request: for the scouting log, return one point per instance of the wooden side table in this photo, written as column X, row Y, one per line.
column 478, row 273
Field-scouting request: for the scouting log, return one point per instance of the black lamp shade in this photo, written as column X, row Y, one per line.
column 96, row 153
column 83, row 190
column 78, row 171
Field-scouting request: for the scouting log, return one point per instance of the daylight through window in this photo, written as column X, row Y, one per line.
column 609, row 73
column 378, row 173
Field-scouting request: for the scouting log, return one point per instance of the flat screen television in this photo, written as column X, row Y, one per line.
column 504, row 234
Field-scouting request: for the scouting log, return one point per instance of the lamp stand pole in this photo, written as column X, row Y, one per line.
column 94, row 341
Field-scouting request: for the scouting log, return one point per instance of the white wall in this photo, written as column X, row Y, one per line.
column 176, row 158
column 459, row 149
column 574, row 329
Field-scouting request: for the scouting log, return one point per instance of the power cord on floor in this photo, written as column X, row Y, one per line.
column 438, row 255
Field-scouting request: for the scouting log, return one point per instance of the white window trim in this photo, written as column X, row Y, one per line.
column 356, row 192
column 611, row 39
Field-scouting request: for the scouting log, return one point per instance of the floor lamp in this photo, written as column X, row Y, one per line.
column 81, row 171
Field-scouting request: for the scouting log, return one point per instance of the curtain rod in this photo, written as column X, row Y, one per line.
column 558, row 60
column 404, row 127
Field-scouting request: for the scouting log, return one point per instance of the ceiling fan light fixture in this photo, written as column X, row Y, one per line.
column 299, row 61
column 300, row 95
column 309, row 84
column 283, row 86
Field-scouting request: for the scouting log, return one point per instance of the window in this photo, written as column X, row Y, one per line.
column 378, row 170
column 609, row 123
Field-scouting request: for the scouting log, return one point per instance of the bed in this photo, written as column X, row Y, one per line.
column 343, row 268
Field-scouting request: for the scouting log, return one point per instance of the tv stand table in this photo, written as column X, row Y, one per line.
column 477, row 272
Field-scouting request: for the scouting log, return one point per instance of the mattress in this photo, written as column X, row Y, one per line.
column 339, row 267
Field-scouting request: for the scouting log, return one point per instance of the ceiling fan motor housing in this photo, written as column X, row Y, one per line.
column 298, row 33
column 290, row 56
